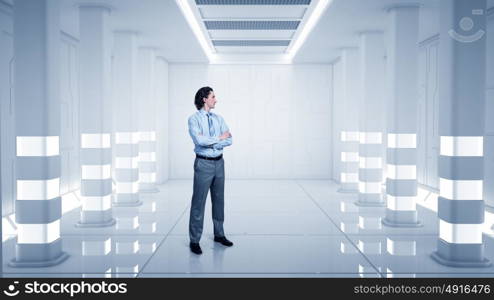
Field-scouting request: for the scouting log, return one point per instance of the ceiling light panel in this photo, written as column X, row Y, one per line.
column 251, row 25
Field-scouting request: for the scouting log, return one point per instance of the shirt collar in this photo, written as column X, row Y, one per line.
column 204, row 112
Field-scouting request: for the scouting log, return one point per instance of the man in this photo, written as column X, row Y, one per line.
column 210, row 135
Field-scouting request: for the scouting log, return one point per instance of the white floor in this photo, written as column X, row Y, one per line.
column 281, row 228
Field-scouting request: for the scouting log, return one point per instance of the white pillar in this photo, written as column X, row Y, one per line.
column 349, row 135
column 125, row 119
column 161, row 113
column 147, row 120
column 402, row 64
column 462, row 62
column 38, row 206
column 95, row 116
column 372, row 119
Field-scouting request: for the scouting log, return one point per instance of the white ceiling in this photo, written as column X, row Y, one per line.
column 161, row 24
column 344, row 19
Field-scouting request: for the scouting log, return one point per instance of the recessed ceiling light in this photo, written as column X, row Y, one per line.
column 208, row 47
column 307, row 27
column 196, row 28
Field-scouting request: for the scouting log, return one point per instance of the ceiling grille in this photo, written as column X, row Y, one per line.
column 251, row 25
column 253, row 2
column 247, row 43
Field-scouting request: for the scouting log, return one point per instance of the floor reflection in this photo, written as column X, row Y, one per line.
column 284, row 228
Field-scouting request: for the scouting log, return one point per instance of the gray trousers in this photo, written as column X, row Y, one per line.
column 208, row 175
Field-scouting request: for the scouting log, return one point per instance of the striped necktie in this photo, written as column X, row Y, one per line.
column 210, row 124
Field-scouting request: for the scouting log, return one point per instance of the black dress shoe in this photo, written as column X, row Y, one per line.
column 194, row 247
column 223, row 241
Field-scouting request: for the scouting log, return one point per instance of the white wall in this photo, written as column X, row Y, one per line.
column 429, row 19
column 428, row 130
column 70, row 179
column 162, row 120
column 279, row 116
column 338, row 118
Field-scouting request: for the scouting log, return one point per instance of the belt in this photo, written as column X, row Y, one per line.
column 209, row 158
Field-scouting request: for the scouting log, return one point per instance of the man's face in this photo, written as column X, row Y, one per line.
column 210, row 101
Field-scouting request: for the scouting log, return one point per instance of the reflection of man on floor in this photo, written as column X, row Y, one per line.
column 210, row 135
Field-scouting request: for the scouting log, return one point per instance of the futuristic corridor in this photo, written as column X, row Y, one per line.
column 362, row 138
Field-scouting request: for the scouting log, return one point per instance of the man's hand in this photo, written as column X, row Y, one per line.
column 225, row 135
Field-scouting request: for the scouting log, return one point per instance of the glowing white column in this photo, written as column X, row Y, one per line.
column 371, row 119
column 95, row 116
column 38, row 206
column 125, row 115
column 402, row 62
column 461, row 130
column 350, row 134
column 147, row 120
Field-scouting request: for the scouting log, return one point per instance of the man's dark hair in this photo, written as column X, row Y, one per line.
column 202, row 93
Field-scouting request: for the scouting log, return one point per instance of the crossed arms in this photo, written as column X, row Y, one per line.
column 217, row 143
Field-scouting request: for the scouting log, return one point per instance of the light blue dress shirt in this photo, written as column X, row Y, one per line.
column 206, row 145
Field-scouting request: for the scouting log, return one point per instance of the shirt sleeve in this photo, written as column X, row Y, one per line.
column 226, row 142
column 197, row 137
